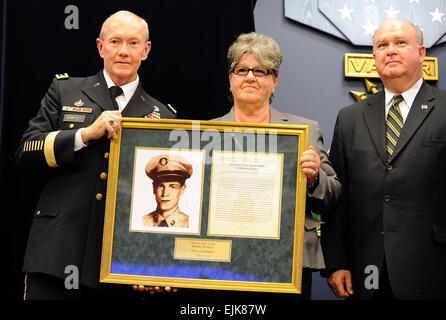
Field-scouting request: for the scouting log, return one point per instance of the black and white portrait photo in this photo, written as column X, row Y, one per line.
column 167, row 188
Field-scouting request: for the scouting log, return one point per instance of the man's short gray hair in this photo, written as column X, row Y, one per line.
column 123, row 12
column 264, row 48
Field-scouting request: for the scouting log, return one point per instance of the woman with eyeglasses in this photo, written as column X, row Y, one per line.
column 254, row 61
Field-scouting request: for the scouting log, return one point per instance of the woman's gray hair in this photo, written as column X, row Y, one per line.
column 124, row 12
column 264, row 48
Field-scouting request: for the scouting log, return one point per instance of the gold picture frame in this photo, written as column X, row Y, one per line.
column 230, row 246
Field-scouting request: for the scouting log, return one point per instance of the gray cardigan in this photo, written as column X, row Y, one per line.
column 325, row 194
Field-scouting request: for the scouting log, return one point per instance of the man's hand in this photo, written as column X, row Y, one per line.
column 340, row 283
column 153, row 289
column 310, row 163
column 108, row 123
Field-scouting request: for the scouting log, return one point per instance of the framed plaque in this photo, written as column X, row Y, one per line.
column 205, row 204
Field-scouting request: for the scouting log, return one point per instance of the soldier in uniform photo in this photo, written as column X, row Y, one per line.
column 169, row 174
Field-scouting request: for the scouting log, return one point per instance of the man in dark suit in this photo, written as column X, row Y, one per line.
column 387, row 238
column 69, row 138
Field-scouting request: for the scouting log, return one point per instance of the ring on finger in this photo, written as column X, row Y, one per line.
column 111, row 121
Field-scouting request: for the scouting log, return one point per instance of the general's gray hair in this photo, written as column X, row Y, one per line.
column 264, row 48
column 418, row 33
column 123, row 12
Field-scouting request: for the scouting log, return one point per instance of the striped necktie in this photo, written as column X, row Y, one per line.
column 394, row 124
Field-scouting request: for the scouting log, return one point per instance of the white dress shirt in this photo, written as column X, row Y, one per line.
column 128, row 90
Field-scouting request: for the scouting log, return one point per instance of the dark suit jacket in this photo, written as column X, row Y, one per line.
column 391, row 208
column 68, row 220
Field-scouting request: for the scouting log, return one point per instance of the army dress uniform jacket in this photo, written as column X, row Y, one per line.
column 68, row 221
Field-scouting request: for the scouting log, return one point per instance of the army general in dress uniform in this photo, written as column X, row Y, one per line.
column 169, row 173
column 70, row 139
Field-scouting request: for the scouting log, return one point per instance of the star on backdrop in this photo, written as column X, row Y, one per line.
column 391, row 13
column 436, row 16
column 346, row 12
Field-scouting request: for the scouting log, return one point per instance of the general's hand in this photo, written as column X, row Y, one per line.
column 108, row 123
column 340, row 283
column 310, row 163
column 153, row 289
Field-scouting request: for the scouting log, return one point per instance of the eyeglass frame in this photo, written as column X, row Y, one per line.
column 269, row 71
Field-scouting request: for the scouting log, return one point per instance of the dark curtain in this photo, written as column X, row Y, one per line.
column 186, row 68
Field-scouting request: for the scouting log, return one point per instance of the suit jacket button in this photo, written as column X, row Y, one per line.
column 387, row 198
column 99, row 196
column 389, row 168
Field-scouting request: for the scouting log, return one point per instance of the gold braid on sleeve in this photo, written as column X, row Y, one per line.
column 48, row 149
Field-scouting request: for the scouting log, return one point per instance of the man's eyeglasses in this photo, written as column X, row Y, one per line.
column 258, row 72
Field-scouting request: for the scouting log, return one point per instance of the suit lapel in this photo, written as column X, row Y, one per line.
column 229, row 117
column 374, row 117
column 277, row 117
column 139, row 105
column 421, row 107
column 98, row 92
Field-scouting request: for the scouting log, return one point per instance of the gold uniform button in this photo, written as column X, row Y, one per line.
column 106, row 155
column 71, row 125
column 38, row 213
column 103, row 176
column 99, row 196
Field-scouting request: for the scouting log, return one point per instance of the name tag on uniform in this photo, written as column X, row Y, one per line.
column 74, row 118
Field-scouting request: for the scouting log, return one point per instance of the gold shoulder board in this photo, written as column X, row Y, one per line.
column 171, row 108
column 62, row 76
